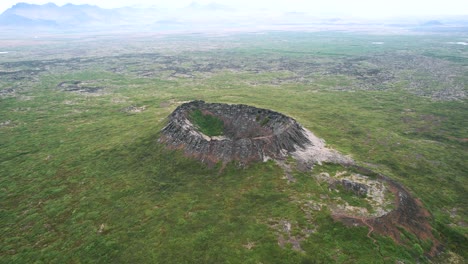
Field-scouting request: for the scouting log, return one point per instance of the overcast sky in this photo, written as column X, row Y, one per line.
column 357, row 8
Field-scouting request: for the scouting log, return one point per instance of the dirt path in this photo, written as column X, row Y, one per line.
column 371, row 229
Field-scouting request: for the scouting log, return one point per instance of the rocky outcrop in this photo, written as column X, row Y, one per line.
column 249, row 134
column 409, row 215
column 355, row 187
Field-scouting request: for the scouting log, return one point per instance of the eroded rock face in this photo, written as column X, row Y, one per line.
column 355, row 187
column 250, row 134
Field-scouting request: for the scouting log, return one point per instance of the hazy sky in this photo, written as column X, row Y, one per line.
column 358, row 8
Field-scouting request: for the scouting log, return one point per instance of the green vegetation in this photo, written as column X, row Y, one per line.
column 207, row 124
column 265, row 121
column 83, row 178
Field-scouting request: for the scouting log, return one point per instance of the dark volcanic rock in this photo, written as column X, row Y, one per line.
column 355, row 187
column 250, row 134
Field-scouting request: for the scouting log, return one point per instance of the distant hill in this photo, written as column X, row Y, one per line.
column 51, row 15
column 21, row 21
column 70, row 15
column 432, row 23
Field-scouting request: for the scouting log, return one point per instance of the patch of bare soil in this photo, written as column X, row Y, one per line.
column 134, row 109
column 284, row 230
column 6, row 123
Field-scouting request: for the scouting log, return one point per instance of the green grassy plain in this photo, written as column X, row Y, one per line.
column 84, row 180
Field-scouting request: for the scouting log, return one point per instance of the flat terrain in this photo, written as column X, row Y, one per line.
column 84, row 180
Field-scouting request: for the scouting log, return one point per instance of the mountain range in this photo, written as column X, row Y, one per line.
column 70, row 16
column 51, row 15
column 194, row 16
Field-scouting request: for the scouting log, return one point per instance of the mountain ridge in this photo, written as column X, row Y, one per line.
column 198, row 17
column 52, row 15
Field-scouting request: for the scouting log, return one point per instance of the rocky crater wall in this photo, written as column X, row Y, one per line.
column 249, row 134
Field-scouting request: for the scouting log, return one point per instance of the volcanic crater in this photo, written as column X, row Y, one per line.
column 248, row 134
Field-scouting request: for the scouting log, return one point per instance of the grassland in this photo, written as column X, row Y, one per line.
column 84, row 180
column 207, row 124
